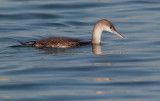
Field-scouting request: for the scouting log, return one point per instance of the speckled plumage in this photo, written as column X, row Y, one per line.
column 56, row 42
column 61, row 42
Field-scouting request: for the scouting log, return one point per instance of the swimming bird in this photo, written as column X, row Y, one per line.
column 62, row 42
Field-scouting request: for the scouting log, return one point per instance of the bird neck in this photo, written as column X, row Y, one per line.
column 96, row 34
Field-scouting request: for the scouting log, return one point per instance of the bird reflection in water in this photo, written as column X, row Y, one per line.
column 96, row 49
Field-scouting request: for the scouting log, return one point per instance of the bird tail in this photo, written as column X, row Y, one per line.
column 30, row 43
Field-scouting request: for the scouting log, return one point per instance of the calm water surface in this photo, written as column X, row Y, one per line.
column 117, row 70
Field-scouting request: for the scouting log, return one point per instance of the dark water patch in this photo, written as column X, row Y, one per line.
column 136, row 83
column 6, row 39
column 50, row 24
column 154, row 42
column 131, row 71
column 27, row 16
column 14, row 16
column 152, row 9
column 47, row 70
column 68, row 6
column 76, row 23
column 5, row 9
column 155, row 52
column 7, row 29
column 137, row 2
column 20, row 86
column 44, row 16
column 136, row 22
column 74, row 13
column 21, row 0
column 145, row 2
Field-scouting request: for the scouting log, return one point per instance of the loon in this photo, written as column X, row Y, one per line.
column 62, row 42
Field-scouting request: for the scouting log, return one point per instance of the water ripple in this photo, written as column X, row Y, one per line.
column 27, row 16
column 70, row 6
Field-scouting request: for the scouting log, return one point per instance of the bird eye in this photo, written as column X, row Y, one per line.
column 111, row 27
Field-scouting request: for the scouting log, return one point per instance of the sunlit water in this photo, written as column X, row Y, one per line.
column 118, row 69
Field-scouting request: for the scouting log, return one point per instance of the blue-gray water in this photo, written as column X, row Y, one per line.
column 118, row 70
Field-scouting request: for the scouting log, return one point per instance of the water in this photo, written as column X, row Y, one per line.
column 119, row 69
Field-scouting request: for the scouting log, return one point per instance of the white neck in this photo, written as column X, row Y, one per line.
column 96, row 34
